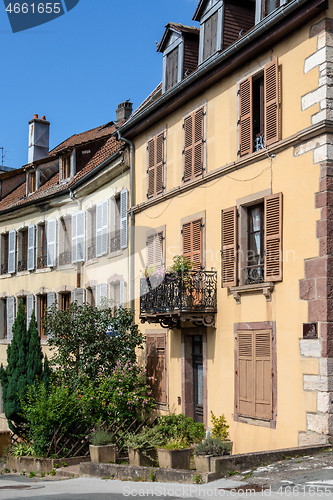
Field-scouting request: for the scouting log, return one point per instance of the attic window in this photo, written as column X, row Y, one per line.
column 66, row 167
column 171, row 76
column 31, row 179
column 210, row 36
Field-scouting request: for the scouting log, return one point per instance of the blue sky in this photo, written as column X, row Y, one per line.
column 76, row 69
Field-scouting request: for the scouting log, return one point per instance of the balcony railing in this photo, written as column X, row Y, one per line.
column 4, row 268
column 65, row 258
column 22, row 265
column 254, row 274
column 171, row 299
column 42, row 262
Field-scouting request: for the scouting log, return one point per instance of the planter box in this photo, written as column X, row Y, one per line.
column 174, row 459
column 103, row 454
column 136, row 457
column 202, row 463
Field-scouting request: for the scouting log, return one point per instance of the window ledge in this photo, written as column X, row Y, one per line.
column 3, row 276
column 44, row 270
column 66, row 266
column 265, row 288
column 91, row 262
column 115, row 254
column 5, row 342
column 262, row 422
column 23, row 273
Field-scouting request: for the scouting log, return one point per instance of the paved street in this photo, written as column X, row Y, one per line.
column 304, row 477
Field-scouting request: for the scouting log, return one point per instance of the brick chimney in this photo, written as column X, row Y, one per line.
column 39, row 132
column 124, row 111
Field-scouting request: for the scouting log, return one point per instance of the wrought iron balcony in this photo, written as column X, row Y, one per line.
column 22, row 265
column 41, row 262
column 174, row 298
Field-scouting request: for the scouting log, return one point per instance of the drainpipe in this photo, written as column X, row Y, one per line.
column 131, row 256
column 78, row 264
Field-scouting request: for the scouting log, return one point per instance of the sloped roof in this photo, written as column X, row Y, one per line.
column 180, row 28
column 109, row 147
column 153, row 96
column 85, row 137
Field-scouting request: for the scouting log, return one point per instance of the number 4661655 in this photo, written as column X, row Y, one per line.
column 32, row 8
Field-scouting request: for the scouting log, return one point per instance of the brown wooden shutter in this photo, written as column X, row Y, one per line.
column 245, row 374
column 229, row 247
column 263, row 373
column 156, row 165
column 273, row 237
column 246, row 117
column 271, row 85
column 172, row 68
column 193, row 145
column 192, row 243
column 156, row 365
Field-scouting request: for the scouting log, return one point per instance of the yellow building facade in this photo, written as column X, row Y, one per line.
column 233, row 166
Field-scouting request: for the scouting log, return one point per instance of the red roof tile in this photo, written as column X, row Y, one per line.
column 84, row 137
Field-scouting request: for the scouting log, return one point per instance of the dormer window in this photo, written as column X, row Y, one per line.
column 66, row 167
column 222, row 23
column 179, row 45
column 266, row 7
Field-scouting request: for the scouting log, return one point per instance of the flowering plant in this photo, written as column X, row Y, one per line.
column 150, row 271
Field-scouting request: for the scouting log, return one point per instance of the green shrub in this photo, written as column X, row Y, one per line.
column 147, row 439
column 213, row 446
column 220, row 428
column 22, row 449
column 101, row 438
column 181, row 428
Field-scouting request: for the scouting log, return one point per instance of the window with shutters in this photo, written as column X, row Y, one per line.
column 259, row 107
column 65, row 241
column 22, row 264
column 41, row 246
column 194, row 145
column 255, row 391
column 210, row 45
column 156, row 365
column 192, row 233
column 211, row 29
column 3, row 319
column 115, row 243
column 156, row 165
column 252, row 242
column 4, row 253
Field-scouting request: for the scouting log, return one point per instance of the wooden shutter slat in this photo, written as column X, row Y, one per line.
column 193, row 144
column 263, row 372
column 246, row 117
column 273, row 237
column 188, row 144
column 156, row 165
column 229, row 247
column 198, row 143
column 192, row 242
column 271, row 92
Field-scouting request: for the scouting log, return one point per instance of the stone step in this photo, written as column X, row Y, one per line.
column 71, row 471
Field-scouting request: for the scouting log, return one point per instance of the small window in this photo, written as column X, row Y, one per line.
column 65, row 301
column 41, row 247
column 92, row 233
column 31, row 182
column 115, row 234
column 23, row 251
column 66, row 167
column 4, row 253
column 65, row 241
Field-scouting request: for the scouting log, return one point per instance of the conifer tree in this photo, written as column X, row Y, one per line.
column 24, row 366
column 46, row 379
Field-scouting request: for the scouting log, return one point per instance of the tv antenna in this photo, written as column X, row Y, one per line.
column 3, row 154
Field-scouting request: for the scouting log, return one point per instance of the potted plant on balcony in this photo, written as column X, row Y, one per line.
column 142, row 446
column 102, row 448
column 211, row 447
column 179, row 432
